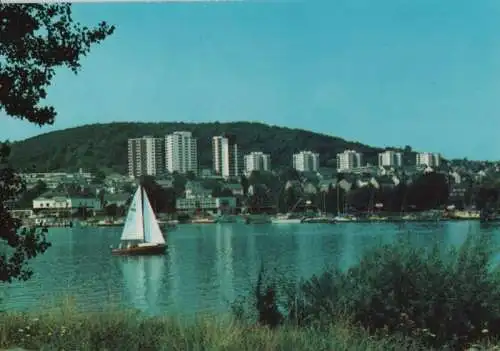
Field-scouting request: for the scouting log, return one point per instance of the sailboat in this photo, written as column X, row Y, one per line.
column 141, row 233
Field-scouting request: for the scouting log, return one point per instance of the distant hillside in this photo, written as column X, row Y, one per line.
column 104, row 146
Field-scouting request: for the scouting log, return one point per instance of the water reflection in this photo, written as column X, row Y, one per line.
column 142, row 280
column 224, row 261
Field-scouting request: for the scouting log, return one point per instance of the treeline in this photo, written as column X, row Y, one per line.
column 428, row 191
column 267, row 192
column 106, row 144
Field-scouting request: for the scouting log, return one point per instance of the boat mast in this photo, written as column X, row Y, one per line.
column 142, row 217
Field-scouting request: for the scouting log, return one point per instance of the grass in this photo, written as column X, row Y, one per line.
column 65, row 328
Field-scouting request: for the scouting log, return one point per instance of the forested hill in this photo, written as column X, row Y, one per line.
column 104, row 146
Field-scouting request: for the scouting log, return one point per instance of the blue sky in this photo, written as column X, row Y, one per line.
column 423, row 73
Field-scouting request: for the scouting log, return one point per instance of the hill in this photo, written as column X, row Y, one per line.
column 104, row 146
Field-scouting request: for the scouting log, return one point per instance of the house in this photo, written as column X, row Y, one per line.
column 119, row 199
column 49, row 201
column 87, row 202
column 324, row 184
column 309, row 188
column 165, row 183
column 294, row 184
column 236, row 188
column 195, row 190
column 54, row 202
column 206, row 204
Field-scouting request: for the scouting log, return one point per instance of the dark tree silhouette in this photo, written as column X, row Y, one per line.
column 35, row 39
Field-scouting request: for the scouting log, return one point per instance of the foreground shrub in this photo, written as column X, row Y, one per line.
column 443, row 299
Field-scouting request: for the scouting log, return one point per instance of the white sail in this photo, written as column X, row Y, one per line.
column 133, row 228
column 152, row 231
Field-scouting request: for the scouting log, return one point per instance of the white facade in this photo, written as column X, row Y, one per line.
column 226, row 156
column 57, row 202
column 428, row 159
column 390, row 158
column 63, row 202
column 257, row 161
column 206, row 203
column 306, row 161
column 349, row 160
column 146, row 156
column 181, row 153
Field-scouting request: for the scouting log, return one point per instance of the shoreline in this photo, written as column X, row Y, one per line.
column 85, row 224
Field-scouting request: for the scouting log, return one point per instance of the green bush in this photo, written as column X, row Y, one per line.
column 447, row 298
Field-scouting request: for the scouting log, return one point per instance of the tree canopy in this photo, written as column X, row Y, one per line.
column 35, row 39
column 106, row 144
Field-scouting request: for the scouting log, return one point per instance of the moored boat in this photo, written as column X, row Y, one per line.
column 319, row 219
column 202, row 220
column 286, row 219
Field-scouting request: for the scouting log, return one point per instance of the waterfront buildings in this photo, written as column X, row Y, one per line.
column 257, row 161
column 390, row 158
column 146, row 156
column 306, row 161
column 349, row 160
column 181, row 153
column 226, row 156
column 428, row 159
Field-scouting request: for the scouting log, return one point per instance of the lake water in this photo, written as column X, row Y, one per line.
column 206, row 266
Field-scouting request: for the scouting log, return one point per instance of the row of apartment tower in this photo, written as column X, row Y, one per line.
column 178, row 152
column 351, row 159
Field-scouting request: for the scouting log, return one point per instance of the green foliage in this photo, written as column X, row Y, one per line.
column 35, row 39
column 161, row 199
column 20, row 246
column 438, row 298
column 428, row 191
column 113, row 210
column 27, row 197
column 106, row 144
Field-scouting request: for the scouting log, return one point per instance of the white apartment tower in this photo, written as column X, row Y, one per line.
column 226, row 156
column 306, row 161
column 390, row 158
column 257, row 161
column 428, row 159
column 181, row 153
column 146, row 156
column 349, row 160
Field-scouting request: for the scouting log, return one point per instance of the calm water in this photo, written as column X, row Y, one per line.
column 207, row 266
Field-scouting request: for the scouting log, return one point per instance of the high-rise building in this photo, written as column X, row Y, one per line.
column 349, row 160
column 257, row 161
column 181, row 153
column 428, row 159
column 146, row 156
column 390, row 158
column 306, row 161
column 226, row 156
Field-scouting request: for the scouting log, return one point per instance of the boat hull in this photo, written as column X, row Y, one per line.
column 319, row 220
column 286, row 221
column 159, row 249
